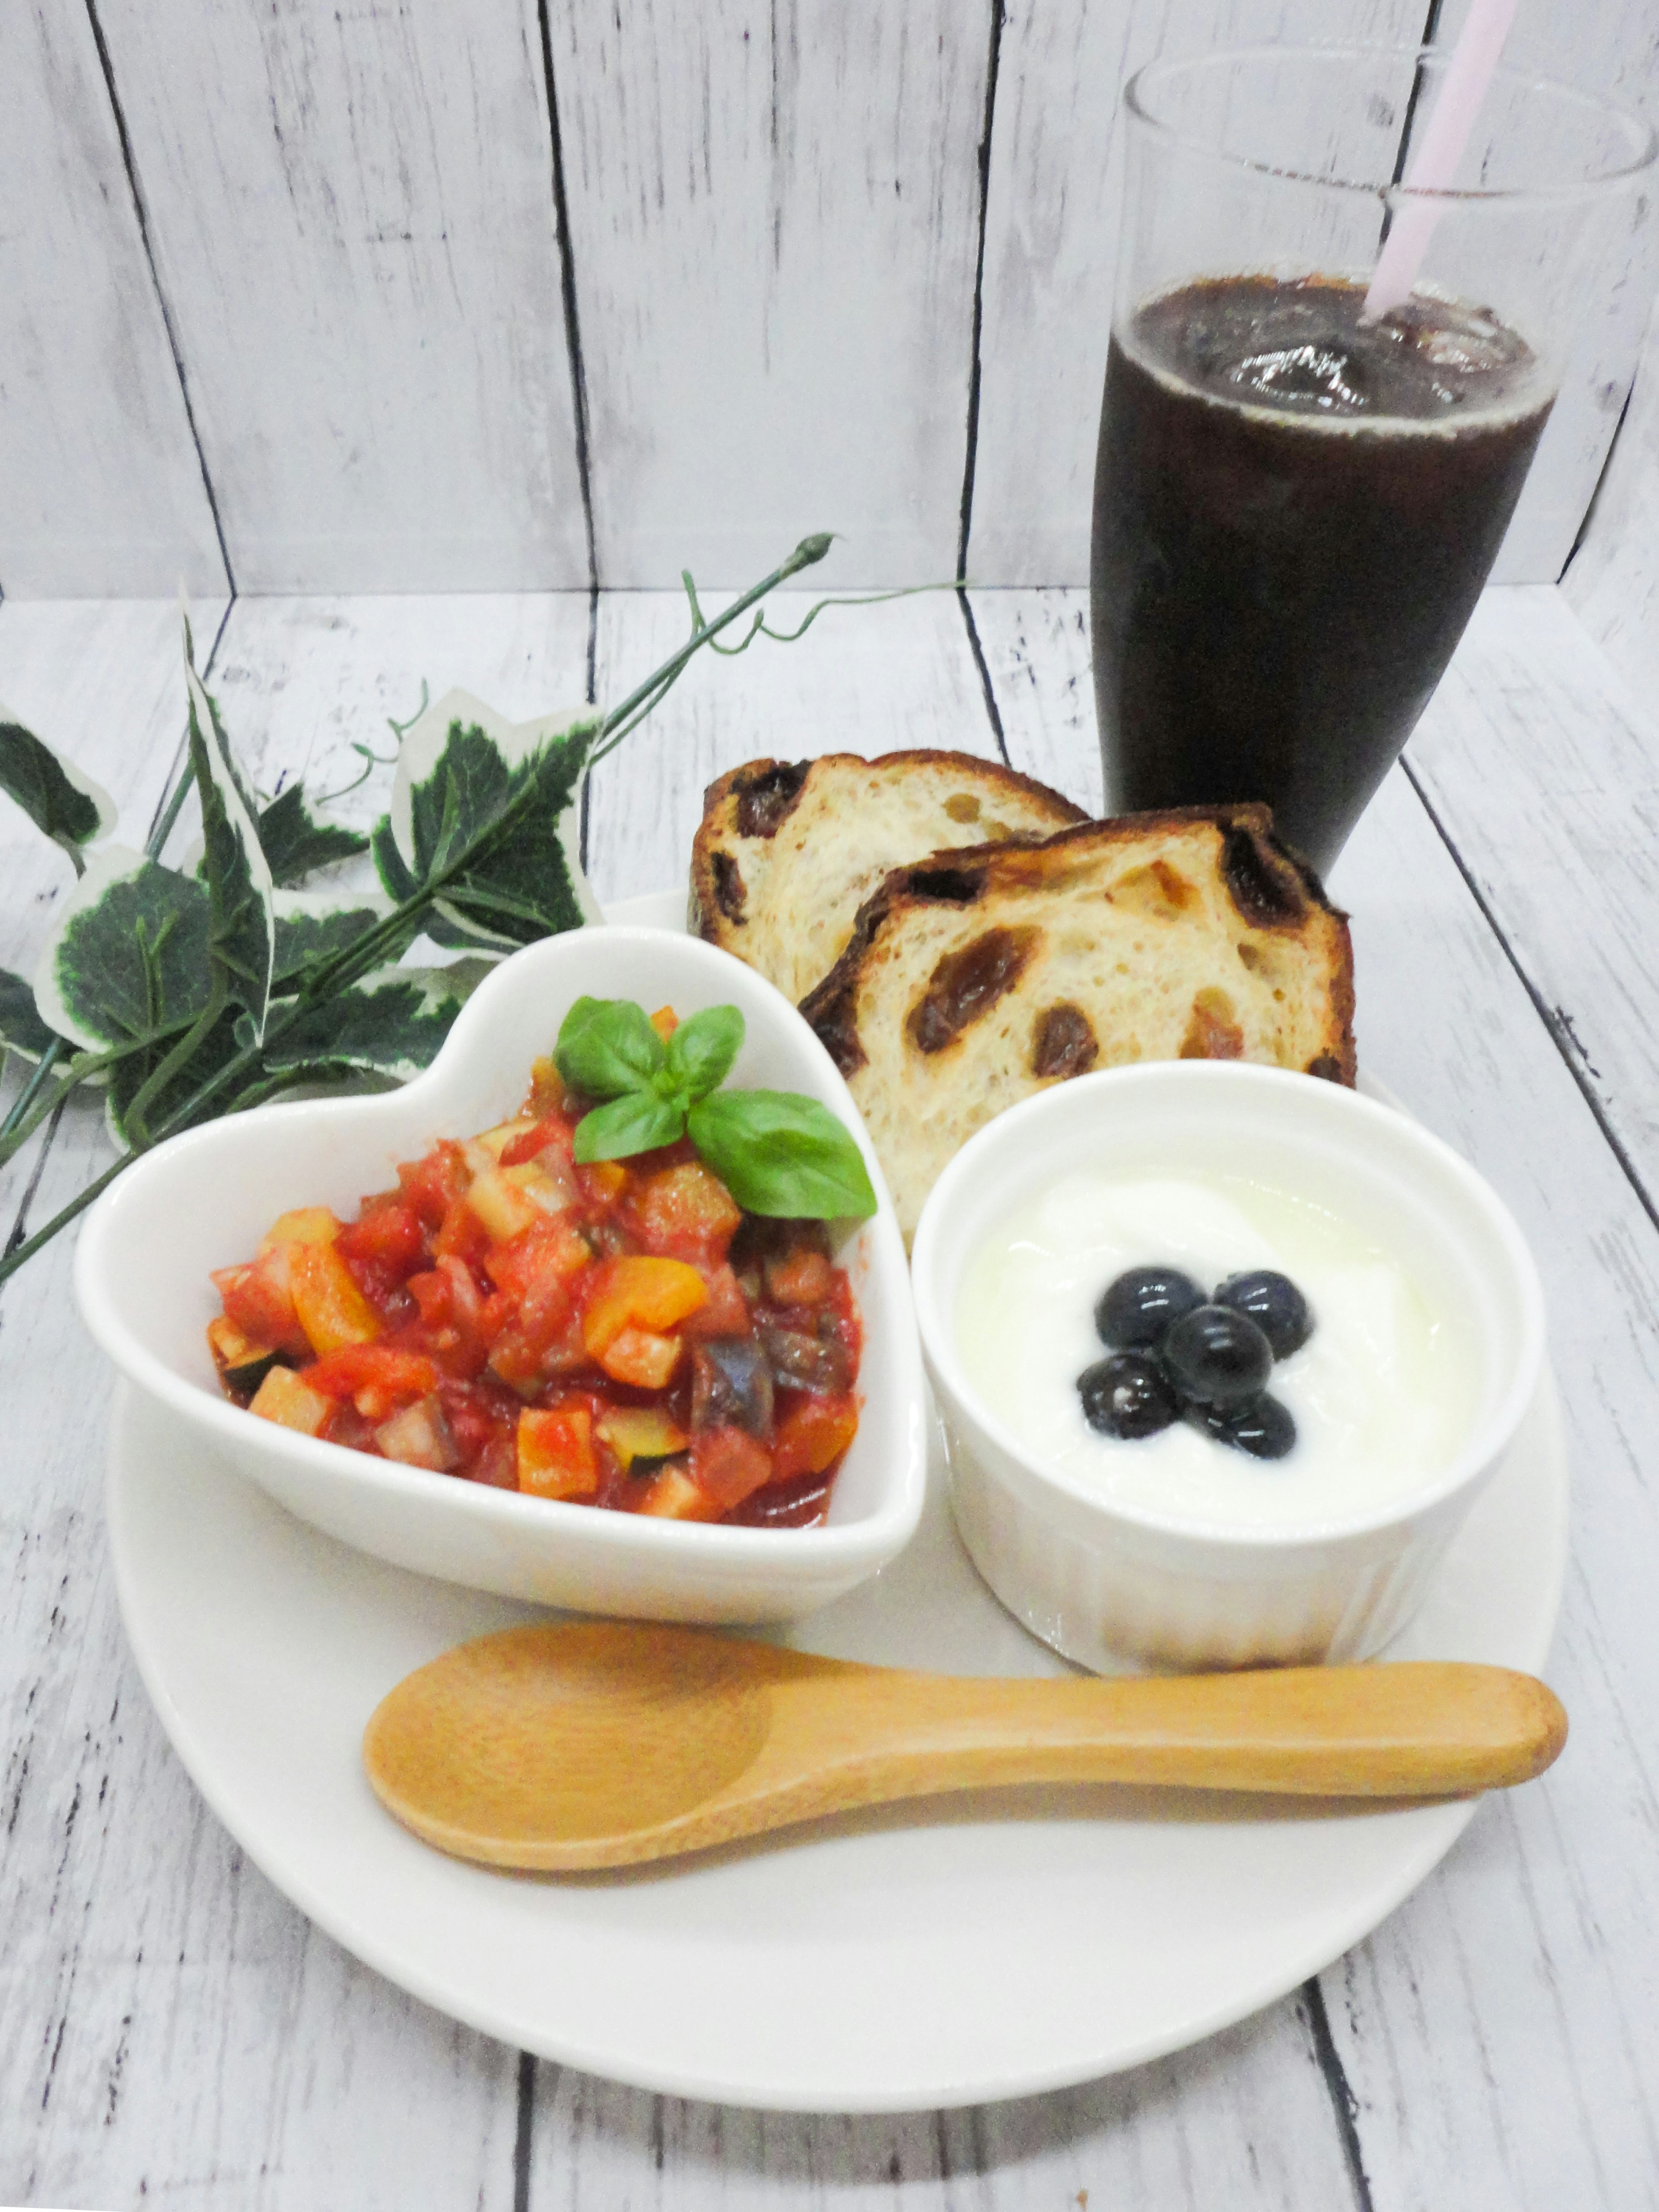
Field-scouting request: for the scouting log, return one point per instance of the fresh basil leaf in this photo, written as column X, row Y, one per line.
column 780, row 1153
column 241, row 930
column 21, row 1030
column 296, row 842
column 57, row 799
column 393, row 1023
column 127, row 958
column 702, row 1049
column 607, row 1046
column 637, row 1122
column 461, row 771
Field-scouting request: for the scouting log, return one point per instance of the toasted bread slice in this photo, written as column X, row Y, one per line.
column 976, row 977
column 789, row 851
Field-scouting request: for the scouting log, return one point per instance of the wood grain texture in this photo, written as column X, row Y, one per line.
column 1493, row 2031
column 775, row 222
column 1610, row 48
column 868, row 680
column 1242, row 2121
column 1054, row 208
column 103, row 488
column 1544, row 767
column 1612, row 584
column 352, row 214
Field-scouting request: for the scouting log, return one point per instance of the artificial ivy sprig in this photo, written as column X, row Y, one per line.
column 777, row 1151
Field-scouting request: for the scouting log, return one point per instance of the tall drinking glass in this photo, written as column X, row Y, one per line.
column 1294, row 507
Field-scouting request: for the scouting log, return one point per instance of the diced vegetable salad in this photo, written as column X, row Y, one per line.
column 621, row 1334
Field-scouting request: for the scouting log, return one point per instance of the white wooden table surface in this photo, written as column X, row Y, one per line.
column 172, row 2031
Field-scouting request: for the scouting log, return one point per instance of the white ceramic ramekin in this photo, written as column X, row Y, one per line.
column 204, row 1200
column 1104, row 1583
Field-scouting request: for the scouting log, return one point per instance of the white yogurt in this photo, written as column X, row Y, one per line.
column 1382, row 1393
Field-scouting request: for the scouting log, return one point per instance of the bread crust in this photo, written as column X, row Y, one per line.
column 743, row 841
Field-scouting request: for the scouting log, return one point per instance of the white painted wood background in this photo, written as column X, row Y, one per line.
column 517, row 294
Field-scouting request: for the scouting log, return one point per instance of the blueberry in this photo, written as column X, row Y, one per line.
column 1134, row 1311
column 1260, row 1427
column 1274, row 1304
column 1217, row 1357
column 1126, row 1396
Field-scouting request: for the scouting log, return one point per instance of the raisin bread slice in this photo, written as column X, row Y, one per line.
column 976, row 977
column 789, row 851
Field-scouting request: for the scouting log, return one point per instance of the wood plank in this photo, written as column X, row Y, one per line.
column 863, row 679
column 352, row 214
column 774, row 218
column 104, row 490
column 1612, row 584
column 1054, row 209
column 170, row 2021
column 1494, row 2030
column 1544, row 767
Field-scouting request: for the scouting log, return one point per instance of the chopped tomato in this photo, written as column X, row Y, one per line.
column 620, row 1333
column 555, row 1452
column 727, row 1464
column 432, row 1185
column 387, row 1369
column 389, row 1238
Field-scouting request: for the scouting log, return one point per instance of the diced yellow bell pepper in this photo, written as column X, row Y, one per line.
column 285, row 1398
column 333, row 1312
column 665, row 1021
column 640, row 1433
column 304, row 1224
column 688, row 1200
column 638, row 1291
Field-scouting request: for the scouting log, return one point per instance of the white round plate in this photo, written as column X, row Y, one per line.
column 984, row 1945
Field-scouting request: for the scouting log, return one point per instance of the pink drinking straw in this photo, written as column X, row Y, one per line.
column 1434, row 163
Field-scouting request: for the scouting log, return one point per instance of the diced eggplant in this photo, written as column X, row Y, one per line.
column 731, row 1385
column 802, row 1362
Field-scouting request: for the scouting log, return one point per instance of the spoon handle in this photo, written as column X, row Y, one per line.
column 1419, row 1729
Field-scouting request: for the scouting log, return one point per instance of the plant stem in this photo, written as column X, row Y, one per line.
column 27, row 1096
column 615, row 726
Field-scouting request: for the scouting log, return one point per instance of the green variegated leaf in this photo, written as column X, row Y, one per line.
column 128, row 1077
column 313, row 926
column 296, row 842
column 241, row 935
column 70, row 807
column 127, row 959
column 460, row 767
column 391, row 1024
column 21, row 1030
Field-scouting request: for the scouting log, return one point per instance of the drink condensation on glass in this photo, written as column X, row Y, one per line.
column 1296, row 507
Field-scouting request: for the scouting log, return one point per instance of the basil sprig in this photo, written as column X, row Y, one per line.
column 777, row 1151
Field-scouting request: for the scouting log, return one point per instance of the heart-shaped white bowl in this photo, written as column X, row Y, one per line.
column 204, row 1200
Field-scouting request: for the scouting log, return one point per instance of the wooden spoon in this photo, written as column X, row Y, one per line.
column 600, row 1743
